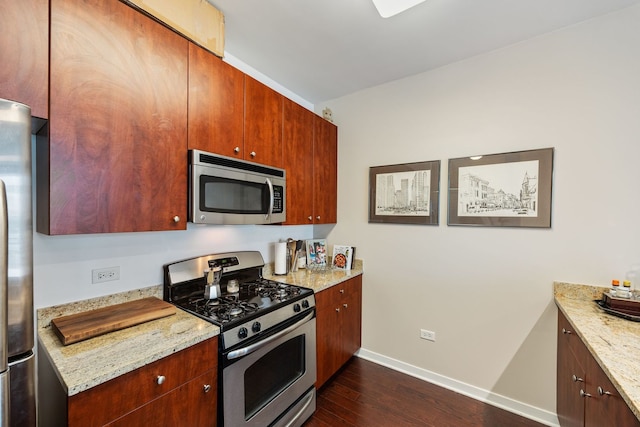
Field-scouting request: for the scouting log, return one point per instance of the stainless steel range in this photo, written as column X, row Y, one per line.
column 267, row 356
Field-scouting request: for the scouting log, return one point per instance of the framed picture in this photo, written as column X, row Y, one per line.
column 316, row 252
column 502, row 190
column 405, row 193
column 342, row 257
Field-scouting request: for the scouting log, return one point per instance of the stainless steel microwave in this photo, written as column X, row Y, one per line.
column 224, row 190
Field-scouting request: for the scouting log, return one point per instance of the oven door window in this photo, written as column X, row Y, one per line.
column 225, row 195
column 272, row 373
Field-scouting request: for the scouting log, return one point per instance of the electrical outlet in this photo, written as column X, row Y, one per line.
column 108, row 274
column 427, row 335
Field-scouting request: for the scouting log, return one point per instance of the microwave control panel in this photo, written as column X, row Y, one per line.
column 278, row 199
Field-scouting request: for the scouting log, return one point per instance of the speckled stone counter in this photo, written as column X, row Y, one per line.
column 613, row 342
column 315, row 279
column 88, row 363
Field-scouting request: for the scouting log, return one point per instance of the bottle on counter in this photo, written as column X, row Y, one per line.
column 615, row 286
column 625, row 290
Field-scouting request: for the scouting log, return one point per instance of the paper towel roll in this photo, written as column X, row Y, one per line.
column 280, row 266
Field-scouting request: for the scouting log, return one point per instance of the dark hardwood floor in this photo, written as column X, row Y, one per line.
column 366, row 394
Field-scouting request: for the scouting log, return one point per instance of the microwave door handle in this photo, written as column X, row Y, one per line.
column 271, row 198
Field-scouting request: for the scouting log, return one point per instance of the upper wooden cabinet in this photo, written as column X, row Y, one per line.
column 310, row 157
column 216, row 104
column 116, row 158
column 262, row 123
column 325, row 171
column 24, row 45
column 297, row 157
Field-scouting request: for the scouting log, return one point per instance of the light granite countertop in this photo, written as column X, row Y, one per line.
column 614, row 342
column 88, row 363
column 316, row 279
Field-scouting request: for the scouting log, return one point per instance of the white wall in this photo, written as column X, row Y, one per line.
column 487, row 292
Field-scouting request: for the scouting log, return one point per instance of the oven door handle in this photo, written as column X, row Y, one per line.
column 253, row 347
column 271, row 199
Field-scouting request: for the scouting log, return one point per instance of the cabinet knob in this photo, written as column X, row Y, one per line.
column 345, row 305
column 583, row 394
column 337, row 310
column 236, row 150
column 566, row 331
column 252, row 154
column 310, row 218
column 601, row 392
column 576, row 379
column 206, row 388
column 176, row 218
column 160, row 379
column 342, row 291
column 318, row 217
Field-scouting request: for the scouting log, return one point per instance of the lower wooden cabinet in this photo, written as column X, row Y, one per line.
column 338, row 326
column 585, row 395
column 178, row 390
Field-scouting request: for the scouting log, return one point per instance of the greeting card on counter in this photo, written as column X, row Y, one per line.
column 342, row 256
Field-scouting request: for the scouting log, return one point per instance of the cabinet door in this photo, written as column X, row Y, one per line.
column 262, row 124
column 571, row 375
column 325, row 171
column 24, row 74
column 118, row 121
column 297, row 155
column 216, row 104
column 352, row 320
column 605, row 406
column 193, row 404
column 328, row 336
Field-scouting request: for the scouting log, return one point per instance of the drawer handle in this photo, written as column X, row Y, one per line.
column 601, row 392
column 566, row 331
column 160, row 379
column 206, row 388
column 583, row 394
column 576, row 379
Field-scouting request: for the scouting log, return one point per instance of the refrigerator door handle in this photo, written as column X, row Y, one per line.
column 4, row 277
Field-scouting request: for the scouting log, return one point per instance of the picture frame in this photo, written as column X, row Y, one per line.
column 342, row 257
column 316, row 252
column 405, row 193
column 502, row 190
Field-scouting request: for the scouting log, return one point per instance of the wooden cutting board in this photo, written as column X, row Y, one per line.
column 81, row 326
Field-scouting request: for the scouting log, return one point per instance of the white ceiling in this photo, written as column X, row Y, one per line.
column 324, row 49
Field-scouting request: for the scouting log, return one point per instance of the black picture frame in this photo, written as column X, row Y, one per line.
column 501, row 190
column 413, row 199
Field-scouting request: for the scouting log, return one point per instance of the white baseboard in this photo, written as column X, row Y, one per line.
column 540, row 415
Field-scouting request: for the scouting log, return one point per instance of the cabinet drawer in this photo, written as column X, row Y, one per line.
column 335, row 295
column 117, row 397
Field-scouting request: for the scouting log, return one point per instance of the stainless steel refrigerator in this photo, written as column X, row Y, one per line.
column 17, row 362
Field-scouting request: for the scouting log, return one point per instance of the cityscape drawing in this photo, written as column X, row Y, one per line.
column 403, row 193
column 499, row 190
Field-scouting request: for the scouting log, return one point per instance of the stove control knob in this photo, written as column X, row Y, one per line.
column 242, row 333
column 296, row 307
column 305, row 304
column 256, row 327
